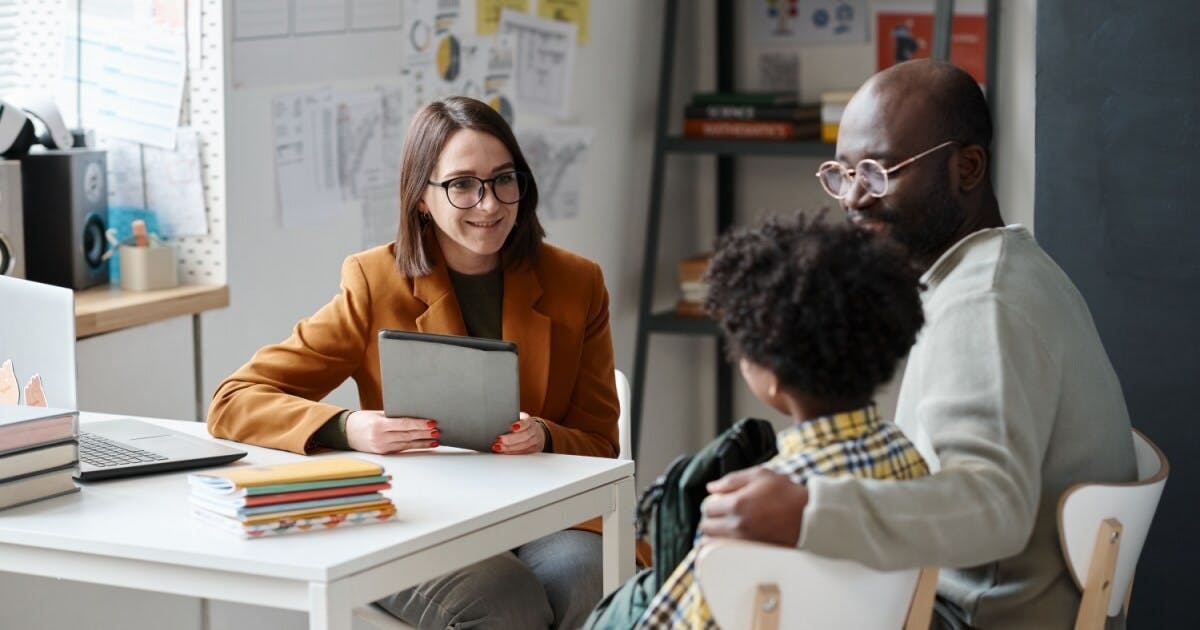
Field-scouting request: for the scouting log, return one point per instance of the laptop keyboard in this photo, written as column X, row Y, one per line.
column 102, row 453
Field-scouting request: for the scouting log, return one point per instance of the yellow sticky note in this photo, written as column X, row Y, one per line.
column 487, row 13
column 573, row 11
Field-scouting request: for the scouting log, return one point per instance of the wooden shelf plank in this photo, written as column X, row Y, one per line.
column 108, row 308
column 670, row 322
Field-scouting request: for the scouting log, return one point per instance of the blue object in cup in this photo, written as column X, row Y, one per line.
column 120, row 222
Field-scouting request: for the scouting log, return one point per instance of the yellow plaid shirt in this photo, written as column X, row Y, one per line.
column 856, row 443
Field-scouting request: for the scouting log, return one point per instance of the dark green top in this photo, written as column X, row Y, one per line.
column 481, row 299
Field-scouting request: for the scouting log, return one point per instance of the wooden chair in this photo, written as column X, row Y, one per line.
column 1102, row 527
column 375, row 617
column 765, row 587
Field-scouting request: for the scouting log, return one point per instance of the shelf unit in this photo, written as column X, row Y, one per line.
column 726, row 151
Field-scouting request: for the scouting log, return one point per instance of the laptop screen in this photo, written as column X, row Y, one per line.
column 37, row 333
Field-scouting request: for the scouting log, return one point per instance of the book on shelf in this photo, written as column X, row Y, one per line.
column 38, row 458
column 35, row 487
column 693, row 290
column 798, row 113
column 833, row 104
column 296, row 497
column 750, row 129
column 23, row 427
column 745, row 98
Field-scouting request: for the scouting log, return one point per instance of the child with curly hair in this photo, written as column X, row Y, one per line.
column 817, row 317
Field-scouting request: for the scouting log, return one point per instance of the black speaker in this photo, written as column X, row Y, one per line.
column 66, row 202
column 12, row 231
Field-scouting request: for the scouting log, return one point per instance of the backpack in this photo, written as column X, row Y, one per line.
column 672, row 505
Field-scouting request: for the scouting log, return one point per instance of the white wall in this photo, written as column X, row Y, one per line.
column 1015, row 110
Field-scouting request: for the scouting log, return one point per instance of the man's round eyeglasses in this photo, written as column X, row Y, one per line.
column 467, row 191
column 838, row 181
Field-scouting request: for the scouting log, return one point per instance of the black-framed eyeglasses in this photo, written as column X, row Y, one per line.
column 467, row 191
column 838, row 181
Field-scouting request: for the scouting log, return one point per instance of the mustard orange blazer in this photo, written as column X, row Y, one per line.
column 555, row 310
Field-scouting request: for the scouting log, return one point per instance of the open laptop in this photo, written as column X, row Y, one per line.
column 37, row 333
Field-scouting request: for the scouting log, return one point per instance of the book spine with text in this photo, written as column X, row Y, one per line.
column 745, row 129
column 744, row 98
column 795, row 113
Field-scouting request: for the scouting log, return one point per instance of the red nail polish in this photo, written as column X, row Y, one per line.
column 431, row 424
column 496, row 447
column 435, row 433
column 433, row 444
column 516, row 426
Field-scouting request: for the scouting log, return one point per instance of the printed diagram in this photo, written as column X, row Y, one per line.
column 353, row 138
column 557, row 157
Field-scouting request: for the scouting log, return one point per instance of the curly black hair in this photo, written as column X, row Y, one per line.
column 828, row 308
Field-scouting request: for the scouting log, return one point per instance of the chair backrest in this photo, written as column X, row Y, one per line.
column 623, row 419
column 1102, row 527
column 37, row 333
column 811, row 591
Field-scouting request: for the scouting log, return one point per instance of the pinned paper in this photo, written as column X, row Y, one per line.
column 9, row 394
column 545, row 61
column 306, row 158
column 173, row 185
column 557, row 156
column 573, row 11
column 35, row 396
column 487, row 13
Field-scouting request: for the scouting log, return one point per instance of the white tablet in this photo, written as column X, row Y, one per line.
column 469, row 385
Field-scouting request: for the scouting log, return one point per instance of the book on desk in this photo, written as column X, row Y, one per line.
column 260, row 501
column 38, row 453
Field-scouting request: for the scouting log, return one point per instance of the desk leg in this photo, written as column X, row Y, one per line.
column 329, row 607
column 618, row 536
column 198, row 370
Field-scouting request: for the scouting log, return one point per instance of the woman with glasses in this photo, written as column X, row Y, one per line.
column 468, row 259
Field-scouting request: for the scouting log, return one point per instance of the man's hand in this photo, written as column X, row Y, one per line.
column 754, row 504
column 373, row 432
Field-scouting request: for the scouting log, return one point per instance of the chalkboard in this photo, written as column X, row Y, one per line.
column 1117, row 195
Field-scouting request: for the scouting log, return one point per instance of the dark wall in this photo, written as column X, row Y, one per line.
column 1118, row 206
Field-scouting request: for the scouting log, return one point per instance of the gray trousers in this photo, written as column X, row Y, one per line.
column 552, row 582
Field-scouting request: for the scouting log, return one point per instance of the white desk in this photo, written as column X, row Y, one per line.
column 454, row 508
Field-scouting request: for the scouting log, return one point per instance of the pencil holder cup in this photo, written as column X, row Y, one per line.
column 148, row 268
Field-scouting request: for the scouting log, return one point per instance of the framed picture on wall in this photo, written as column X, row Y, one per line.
column 904, row 35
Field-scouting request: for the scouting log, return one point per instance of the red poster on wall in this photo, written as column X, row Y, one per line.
column 903, row 36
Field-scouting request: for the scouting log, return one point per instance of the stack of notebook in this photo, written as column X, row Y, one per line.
column 286, row 498
column 38, row 453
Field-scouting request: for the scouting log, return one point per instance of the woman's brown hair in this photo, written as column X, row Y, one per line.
column 427, row 136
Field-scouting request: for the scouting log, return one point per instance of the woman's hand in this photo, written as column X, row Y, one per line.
column 373, row 432
column 528, row 436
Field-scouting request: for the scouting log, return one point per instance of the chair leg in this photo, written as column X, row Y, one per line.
column 1097, row 590
column 1128, row 594
column 766, row 608
column 920, row 611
